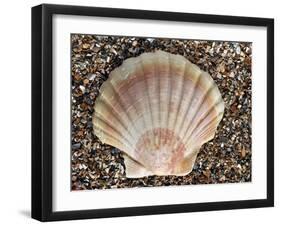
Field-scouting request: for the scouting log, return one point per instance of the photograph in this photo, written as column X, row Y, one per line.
column 153, row 111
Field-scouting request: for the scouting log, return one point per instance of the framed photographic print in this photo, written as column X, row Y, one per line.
column 146, row 112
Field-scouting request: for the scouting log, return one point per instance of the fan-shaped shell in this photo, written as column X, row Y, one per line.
column 158, row 108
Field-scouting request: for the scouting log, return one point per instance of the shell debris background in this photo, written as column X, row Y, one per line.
column 225, row 159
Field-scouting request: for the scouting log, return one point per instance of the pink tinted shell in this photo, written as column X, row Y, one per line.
column 159, row 109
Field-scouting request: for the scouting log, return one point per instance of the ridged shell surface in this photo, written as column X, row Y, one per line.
column 158, row 108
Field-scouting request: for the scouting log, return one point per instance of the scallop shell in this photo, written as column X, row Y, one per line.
column 159, row 109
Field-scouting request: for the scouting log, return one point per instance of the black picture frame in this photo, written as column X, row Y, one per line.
column 42, row 111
